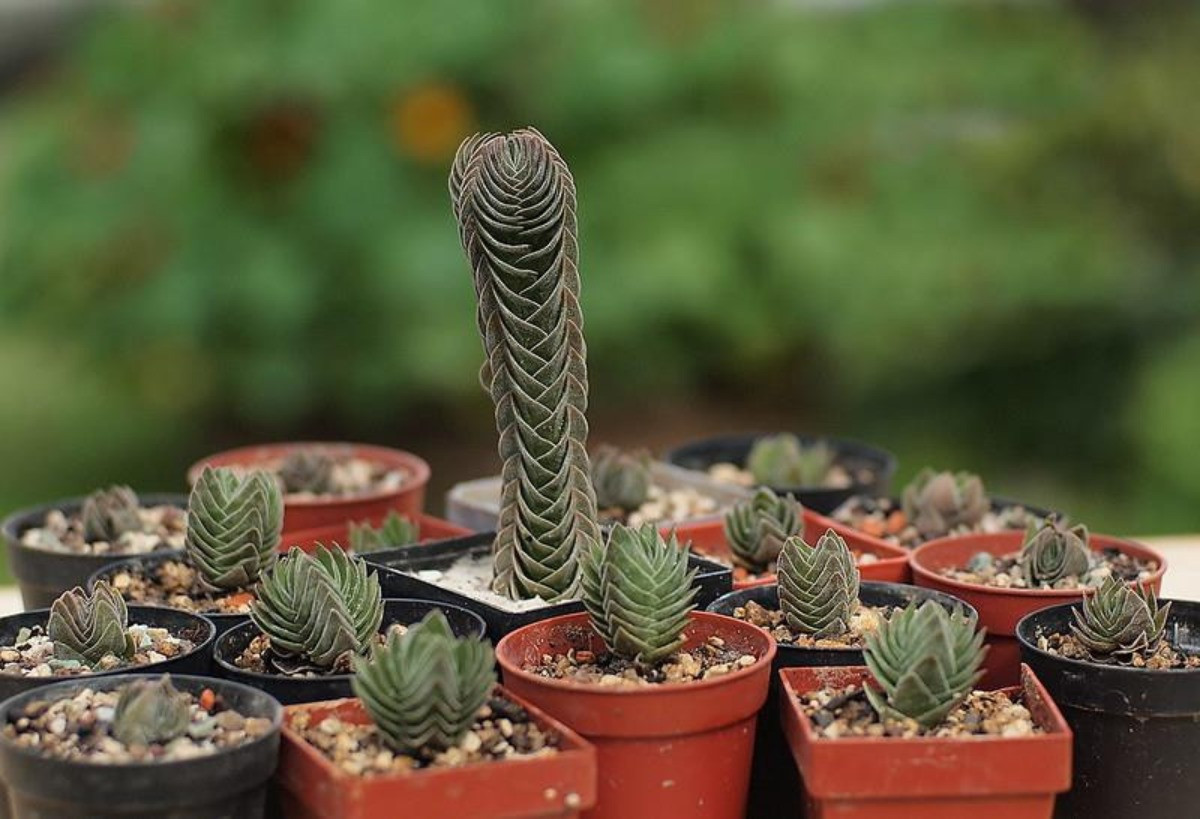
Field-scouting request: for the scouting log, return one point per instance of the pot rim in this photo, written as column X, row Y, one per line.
column 14, row 525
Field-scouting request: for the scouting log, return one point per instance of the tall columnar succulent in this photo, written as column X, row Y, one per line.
column 317, row 608
column 234, row 522
column 514, row 200
column 925, row 661
column 622, row 479
column 937, row 503
column 150, row 712
column 109, row 513
column 396, row 530
column 424, row 688
column 90, row 627
column 818, row 585
column 756, row 529
column 783, row 460
column 307, row 470
column 638, row 590
column 1053, row 552
column 1118, row 620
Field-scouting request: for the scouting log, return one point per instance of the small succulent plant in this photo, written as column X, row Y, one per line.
column 818, row 585
column 307, row 470
column 514, row 200
column 1052, row 552
column 638, row 591
column 1118, row 620
column 234, row 522
column 109, row 513
column 396, row 530
column 937, row 503
column 925, row 661
column 317, row 608
column 622, row 479
column 757, row 528
column 149, row 712
column 89, row 628
column 784, row 460
column 424, row 688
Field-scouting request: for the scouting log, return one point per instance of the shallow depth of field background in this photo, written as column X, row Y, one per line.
column 969, row 232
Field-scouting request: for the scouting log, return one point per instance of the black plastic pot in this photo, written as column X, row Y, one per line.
column 712, row 579
column 774, row 781
column 43, row 575
column 856, row 456
column 1137, row 732
column 226, row 784
column 292, row 690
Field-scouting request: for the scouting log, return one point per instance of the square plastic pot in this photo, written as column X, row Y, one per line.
column 429, row 529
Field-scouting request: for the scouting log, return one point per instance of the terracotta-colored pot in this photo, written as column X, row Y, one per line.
column 310, row 786
column 430, row 529
column 1000, row 609
column 662, row 750
column 935, row 777
column 312, row 513
column 708, row 538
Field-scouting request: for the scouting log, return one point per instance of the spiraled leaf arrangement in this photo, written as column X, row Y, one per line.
column 92, row 627
column 937, row 503
column 818, row 585
column 234, row 521
column 622, row 479
column 396, row 530
column 151, row 712
column 756, row 529
column 638, row 591
column 1053, row 552
column 317, row 608
column 514, row 199
column 109, row 513
column 307, row 470
column 1118, row 620
column 925, row 661
column 424, row 688
column 783, row 460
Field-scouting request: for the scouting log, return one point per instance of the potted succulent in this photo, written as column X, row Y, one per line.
column 1125, row 670
column 431, row 730
column 57, row 547
column 234, row 520
column 139, row 746
column 363, row 536
column 326, row 483
column 820, row 472
column 1006, row 575
column 667, row 695
column 310, row 618
column 909, row 735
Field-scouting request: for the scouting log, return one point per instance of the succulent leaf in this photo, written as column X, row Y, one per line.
column 307, row 470
column 622, row 479
column 757, row 528
column 151, row 712
column 90, row 627
column 818, row 585
column 1118, row 620
column 937, row 503
column 396, row 530
column 109, row 513
column 234, row 521
column 784, row 460
column 1053, row 552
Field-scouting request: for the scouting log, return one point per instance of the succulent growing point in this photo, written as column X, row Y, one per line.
column 783, row 460
column 514, row 200
column 150, row 712
column 1052, row 552
column 109, row 513
column 90, row 627
column 316, row 608
column 937, row 503
column 818, row 585
column 234, row 521
column 424, row 688
column 925, row 661
column 757, row 528
column 622, row 479
column 638, row 590
column 306, row 470
column 396, row 530
column 1118, row 620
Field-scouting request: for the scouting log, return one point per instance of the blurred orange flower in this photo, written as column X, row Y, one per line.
column 429, row 121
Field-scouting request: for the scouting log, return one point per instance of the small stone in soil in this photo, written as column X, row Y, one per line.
column 705, row 661
column 846, row 712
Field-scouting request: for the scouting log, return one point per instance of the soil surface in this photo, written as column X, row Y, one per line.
column 846, row 712
column 349, row 475
column 176, row 584
column 163, row 527
column 709, row 659
column 1005, row 572
column 1159, row 657
column 33, row 654
column 883, row 518
column 258, row 657
column 864, row 621
column 665, row 506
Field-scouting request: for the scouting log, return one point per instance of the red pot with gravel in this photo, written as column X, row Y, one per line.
column 367, row 481
column 668, row 749
column 429, row 527
column 1000, row 609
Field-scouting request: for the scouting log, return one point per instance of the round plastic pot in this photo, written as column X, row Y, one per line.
column 899, row 778
column 228, row 783
column 311, row 786
column 1000, row 609
column 290, row 690
column 1137, row 732
column 734, row 449
column 429, row 529
column 662, row 750
column 313, row 513
column 43, row 575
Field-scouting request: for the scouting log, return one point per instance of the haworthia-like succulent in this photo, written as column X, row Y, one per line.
column 109, row 513
column 234, row 521
column 307, row 470
column 514, row 199
column 622, row 479
column 396, row 530
column 150, row 712
column 784, row 460
column 818, row 585
column 937, row 503
column 1118, row 620
column 1053, row 552
column 90, row 627
column 756, row 529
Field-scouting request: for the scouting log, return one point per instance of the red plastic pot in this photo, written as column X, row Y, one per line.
column 708, row 538
column 310, row 786
column 430, row 529
column 312, row 513
column 662, row 750
column 1001, row 609
column 931, row 777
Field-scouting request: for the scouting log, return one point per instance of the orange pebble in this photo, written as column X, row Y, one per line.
column 873, row 527
column 240, row 599
column 896, row 522
column 207, row 699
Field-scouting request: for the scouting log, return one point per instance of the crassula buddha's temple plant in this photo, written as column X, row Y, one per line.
column 88, row 628
column 939, row 502
column 1053, row 552
column 622, row 479
column 784, row 460
column 109, row 513
column 756, row 529
column 396, row 530
column 818, row 586
column 234, row 523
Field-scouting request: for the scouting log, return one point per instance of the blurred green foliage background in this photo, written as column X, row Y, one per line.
column 967, row 232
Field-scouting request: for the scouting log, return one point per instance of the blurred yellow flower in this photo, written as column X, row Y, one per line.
column 429, row 121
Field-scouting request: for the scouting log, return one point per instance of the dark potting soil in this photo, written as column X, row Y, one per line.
column 709, row 659
column 883, row 518
column 1006, row 573
column 1159, row 657
column 260, row 658
column 864, row 621
column 34, row 654
column 176, row 583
